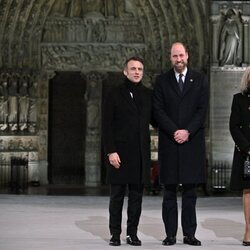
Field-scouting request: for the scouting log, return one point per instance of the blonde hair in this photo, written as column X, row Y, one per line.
column 245, row 81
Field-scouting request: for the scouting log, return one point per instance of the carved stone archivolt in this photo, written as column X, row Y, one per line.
column 91, row 36
column 154, row 24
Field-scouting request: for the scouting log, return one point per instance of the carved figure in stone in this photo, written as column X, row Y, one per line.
column 11, row 145
column 92, row 97
column 229, row 40
column 88, row 24
column 32, row 113
column 120, row 8
column 116, row 8
column 13, row 104
column 92, row 6
column 30, row 144
column 60, row 8
column 2, row 144
column 20, row 145
column 74, row 8
column 99, row 32
column 23, row 105
column 3, row 106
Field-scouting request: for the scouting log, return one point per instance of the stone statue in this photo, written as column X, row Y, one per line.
column 32, row 113
column 23, row 105
column 3, row 106
column 92, row 97
column 13, row 106
column 229, row 40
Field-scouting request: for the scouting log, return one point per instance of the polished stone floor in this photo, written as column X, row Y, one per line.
column 77, row 222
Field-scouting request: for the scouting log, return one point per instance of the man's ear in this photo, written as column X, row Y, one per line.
column 125, row 72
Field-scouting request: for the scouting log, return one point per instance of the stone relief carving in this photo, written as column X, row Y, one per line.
column 93, row 28
column 16, row 144
column 103, row 57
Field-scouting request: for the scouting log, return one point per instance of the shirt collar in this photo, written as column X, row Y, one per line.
column 183, row 73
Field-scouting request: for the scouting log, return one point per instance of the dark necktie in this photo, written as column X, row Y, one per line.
column 180, row 82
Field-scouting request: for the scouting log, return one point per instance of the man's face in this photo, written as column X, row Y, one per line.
column 134, row 71
column 179, row 57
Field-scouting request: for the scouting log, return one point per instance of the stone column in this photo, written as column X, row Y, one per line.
column 246, row 54
column 93, row 99
column 43, row 96
column 224, row 83
column 215, row 41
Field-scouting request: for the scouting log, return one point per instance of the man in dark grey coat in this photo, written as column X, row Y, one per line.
column 126, row 136
column 179, row 105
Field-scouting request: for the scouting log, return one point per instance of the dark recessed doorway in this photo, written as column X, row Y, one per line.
column 67, row 126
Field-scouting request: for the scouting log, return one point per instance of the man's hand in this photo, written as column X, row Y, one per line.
column 181, row 136
column 114, row 160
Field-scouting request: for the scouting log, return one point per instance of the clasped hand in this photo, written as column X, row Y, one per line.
column 181, row 136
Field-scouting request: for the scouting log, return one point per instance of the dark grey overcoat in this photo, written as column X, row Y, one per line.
column 126, row 131
column 173, row 110
column 240, row 130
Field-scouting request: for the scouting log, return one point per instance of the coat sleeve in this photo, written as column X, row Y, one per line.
column 159, row 113
column 108, row 124
column 199, row 116
column 235, row 123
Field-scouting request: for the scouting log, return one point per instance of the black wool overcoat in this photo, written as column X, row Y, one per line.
column 181, row 163
column 239, row 125
column 126, row 131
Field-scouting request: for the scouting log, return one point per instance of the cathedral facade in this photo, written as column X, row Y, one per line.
column 58, row 59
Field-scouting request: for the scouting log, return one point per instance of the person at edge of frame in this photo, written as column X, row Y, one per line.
column 239, row 128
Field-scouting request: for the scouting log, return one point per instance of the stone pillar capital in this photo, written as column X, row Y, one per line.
column 215, row 19
column 245, row 19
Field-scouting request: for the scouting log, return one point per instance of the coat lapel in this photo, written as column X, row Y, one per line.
column 189, row 82
column 174, row 83
column 126, row 95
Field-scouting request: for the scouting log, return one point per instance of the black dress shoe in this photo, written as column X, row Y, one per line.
column 191, row 240
column 133, row 240
column 171, row 240
column 115, row 240
column 246, row 243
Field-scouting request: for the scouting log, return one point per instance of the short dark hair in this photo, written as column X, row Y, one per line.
column 133, row 58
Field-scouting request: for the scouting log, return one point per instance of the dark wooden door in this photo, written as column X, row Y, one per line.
column 67, row 122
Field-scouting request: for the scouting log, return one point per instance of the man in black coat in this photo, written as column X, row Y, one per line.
column 126, row 136
column 179, row 105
